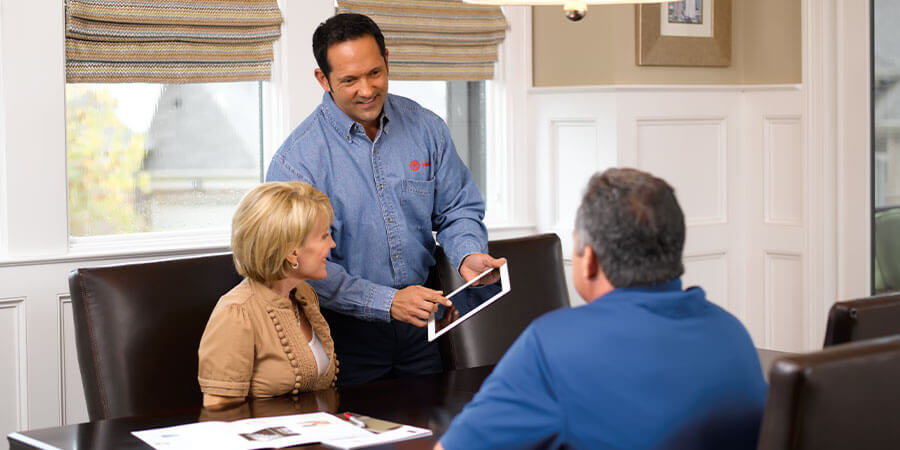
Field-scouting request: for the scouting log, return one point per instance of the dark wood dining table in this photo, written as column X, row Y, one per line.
column 428, row 401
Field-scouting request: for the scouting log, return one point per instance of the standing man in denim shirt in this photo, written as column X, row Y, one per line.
column 393, row 176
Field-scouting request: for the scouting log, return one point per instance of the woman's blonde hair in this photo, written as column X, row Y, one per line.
column 270, row 222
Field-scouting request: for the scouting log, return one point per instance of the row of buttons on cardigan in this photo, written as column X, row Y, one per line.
column 288, row 351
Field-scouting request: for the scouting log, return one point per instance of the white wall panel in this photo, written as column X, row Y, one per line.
column 691, row 155
column 709, row 271
column 786, row 317
column 784, row 171
column 72, row 403
column 577, row 157
column 574, row 136
column 735, row 158
column 12, row 365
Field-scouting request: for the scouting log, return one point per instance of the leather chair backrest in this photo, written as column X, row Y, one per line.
column 538, row 285
column 137, row 330
column 865, row 318
column 842, row 397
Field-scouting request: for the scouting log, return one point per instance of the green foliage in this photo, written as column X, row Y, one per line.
column 104, row 162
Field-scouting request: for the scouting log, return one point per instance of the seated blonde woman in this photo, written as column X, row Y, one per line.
column 266, row 336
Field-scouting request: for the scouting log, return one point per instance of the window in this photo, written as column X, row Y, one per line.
column 34, row 205
column 885, row 147
column 160, row 157
column 177, row 157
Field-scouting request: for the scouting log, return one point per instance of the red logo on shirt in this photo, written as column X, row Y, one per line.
column 414, row 165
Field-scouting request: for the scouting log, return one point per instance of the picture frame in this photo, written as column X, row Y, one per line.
column 686, row 43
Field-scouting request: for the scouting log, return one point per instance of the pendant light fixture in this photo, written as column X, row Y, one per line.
column 575, row 9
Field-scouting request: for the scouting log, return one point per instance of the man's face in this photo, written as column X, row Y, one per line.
column 359, row 79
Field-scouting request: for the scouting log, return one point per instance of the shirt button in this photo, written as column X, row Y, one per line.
column 396, row 256
column 284, row 342
column 381, row 186
column 297, row 378
column 296, row 385
column 295, row 391
column 390, row 220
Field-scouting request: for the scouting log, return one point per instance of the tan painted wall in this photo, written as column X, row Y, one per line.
column 599, row 50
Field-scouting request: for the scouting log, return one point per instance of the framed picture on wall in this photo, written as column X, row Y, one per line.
column 683, row 33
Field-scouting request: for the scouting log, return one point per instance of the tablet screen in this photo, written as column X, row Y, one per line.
column 468, row 299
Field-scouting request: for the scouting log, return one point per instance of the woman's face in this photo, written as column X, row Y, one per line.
column 313, row 251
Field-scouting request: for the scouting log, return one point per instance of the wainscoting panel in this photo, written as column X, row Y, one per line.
column 709, row 271
column 72, row 403
column 577, row 158
column 574, row 136
column 784, row 171
column 13, row 389
column 785, row 316
column 735, row 158
column 690, row 154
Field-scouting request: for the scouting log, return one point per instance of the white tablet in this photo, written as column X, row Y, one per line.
column 468, row 300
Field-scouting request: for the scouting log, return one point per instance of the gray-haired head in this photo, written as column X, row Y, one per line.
column 635, row 226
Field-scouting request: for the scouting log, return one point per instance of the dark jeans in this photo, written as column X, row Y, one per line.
column 370, row 351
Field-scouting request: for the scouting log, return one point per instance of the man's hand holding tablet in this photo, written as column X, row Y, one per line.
column 470, row 298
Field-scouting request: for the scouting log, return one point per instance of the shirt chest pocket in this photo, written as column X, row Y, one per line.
column 418, row 201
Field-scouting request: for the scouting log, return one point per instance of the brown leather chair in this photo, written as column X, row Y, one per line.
column 538, row 286
column 838, row 398
column 865, row 318
column 137, row 330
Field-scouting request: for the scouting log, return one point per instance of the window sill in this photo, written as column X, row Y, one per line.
column 168, row 244
column 174, row 244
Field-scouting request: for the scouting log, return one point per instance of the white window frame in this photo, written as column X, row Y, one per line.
column 33, row 177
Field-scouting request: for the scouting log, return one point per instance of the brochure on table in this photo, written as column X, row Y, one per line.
column 274, row 432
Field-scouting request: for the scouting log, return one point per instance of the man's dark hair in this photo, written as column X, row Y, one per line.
column 633, row 223
column 341, row 28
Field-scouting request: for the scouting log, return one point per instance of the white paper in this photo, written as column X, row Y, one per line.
column 399, row 434
column 248, row 434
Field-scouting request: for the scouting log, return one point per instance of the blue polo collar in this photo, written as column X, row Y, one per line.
column 664, row 298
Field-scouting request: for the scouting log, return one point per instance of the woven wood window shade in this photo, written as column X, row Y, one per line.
column 170, row 41
column 435, row 39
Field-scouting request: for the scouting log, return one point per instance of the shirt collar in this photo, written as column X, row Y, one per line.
column 386, row 113
column 671, row 285
column 344, row 124
column 664, row 298
column 270, row 297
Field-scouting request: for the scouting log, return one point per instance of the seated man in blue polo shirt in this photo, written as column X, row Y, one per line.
column 645, row 364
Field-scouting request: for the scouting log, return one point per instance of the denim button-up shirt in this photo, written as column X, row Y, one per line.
column 388, row 196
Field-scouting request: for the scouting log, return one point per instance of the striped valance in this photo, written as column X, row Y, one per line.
column 170, row 41
column 436, row 39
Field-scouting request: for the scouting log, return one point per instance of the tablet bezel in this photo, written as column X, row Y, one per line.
column 504, row 289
